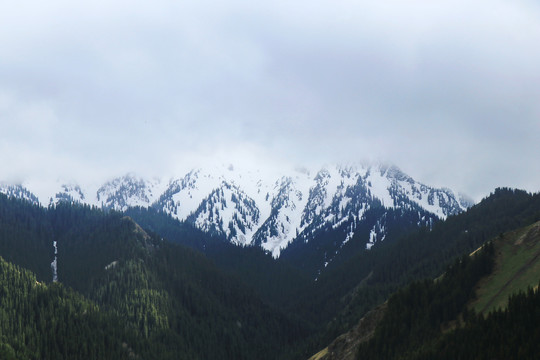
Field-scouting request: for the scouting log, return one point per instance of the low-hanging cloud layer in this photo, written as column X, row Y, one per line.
column 447, row 90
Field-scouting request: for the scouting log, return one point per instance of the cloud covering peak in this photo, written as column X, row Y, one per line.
column 447, row 90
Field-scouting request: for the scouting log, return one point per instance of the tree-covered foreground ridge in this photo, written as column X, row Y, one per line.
column 142, row 285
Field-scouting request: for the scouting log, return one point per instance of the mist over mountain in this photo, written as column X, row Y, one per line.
column 153, row 294
column 269, row 180
column 269, row 209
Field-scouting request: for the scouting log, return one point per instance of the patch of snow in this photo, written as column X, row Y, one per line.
column 111, row 265
column 379, row 186
column 54, row 263
column 279, row 206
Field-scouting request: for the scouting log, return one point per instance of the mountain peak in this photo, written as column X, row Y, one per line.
column 264, row 207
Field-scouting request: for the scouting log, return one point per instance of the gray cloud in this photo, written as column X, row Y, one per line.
column 447, row 90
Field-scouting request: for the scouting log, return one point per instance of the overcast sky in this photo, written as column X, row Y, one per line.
column 449, row 91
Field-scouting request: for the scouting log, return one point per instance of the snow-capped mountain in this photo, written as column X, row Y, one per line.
column 128, row 191
column 18, row 191
column 255, row 208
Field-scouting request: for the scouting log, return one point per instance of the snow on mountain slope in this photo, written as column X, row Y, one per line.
column 18, row 191
column 394, row 188
column 69, row 193
column 128, row 191
column 284, row 222
column 224, row 202
column 265, row 208
column 230, row 211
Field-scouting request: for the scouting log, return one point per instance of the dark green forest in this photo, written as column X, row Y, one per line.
column 416, row 313
column 276, row 281
column 370, row 277
column 39, row 321
column 163, row 300
column 429, row 320
column 143, row 285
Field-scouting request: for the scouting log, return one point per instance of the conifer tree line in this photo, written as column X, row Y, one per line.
column 39, row 321
column 421, row 254
column 165, row 290
column 415, row 314
column 430, row 320
column 123, row 293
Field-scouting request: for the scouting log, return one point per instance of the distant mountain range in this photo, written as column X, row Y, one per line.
column 271, row 211
column 128, row 293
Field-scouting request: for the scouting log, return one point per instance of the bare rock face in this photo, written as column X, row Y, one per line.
column 345, row 347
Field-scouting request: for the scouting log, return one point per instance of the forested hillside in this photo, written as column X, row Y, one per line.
column 157, row 288
column 416, row 314
column 39, row 321
column 343, row 294
column 26, row 236
column 170, row 299
column 276, row 281
column 423, row 254
column 431, row 319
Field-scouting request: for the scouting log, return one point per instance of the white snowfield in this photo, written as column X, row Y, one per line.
column 262, row 207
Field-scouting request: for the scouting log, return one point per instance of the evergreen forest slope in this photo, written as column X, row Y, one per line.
column 430, row 319
column 143, row 285
column 343, row 295
column 39, row 321
column 169, row 301
column 420, row 318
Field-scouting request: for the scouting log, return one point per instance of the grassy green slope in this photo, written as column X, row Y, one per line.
column 429, row 319
column 424, row 254
column 517, row 267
